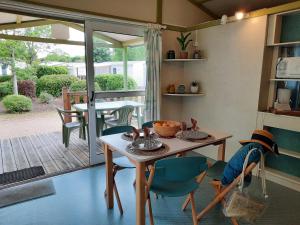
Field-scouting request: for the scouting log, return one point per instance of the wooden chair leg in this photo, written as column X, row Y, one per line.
column 194, row 212
column 118, row 199
column 186, row 203
column 150, row 210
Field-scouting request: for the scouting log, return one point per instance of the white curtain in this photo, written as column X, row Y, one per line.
column 153, row 44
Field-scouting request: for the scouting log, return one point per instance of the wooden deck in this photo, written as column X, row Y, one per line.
column 45, row 150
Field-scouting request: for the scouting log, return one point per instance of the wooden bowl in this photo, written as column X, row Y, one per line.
column 166, row 128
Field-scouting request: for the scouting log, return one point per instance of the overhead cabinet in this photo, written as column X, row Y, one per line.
column 284, row 29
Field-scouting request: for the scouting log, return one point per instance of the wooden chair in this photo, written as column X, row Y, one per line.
column 68, row 127
column 122, row 116
column 119, row 163
column 215, row 172
column 174, row 177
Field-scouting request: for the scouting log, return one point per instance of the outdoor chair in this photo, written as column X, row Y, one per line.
column 175, row 177
column 122, row 117
column 119, row 163
column 68, row 127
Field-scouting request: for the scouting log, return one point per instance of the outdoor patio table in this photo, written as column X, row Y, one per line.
column 175, row 146
column 108, row 106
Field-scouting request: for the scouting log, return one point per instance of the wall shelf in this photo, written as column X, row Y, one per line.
column 183, row 60
column 283, row 79
column 184, row 95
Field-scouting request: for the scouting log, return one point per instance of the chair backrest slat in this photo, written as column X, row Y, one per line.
column 117, row 129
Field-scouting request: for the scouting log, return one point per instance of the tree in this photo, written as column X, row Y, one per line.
column 10, row 52
column 102, row 55
column 58, row 57
column 136, row 53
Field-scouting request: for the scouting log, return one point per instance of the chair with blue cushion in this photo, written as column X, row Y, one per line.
column 174, row 177
column 148, row 124
column 225, row 176
column 119, row 163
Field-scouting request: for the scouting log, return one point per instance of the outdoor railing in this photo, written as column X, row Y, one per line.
column 75, row 97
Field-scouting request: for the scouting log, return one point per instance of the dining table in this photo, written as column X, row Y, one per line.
column 172, row 147
column 101, row 107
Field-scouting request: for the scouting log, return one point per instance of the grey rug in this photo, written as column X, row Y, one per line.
column 25, row 192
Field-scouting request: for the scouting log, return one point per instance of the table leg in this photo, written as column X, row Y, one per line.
column 138, row 114
column 109, row 177
column 140, row 194
column 221, row 150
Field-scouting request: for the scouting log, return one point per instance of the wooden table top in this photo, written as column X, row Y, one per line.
column 174, row 145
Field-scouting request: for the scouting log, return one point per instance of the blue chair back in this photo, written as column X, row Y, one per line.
column 148, row 124
column 179, row 169
column 117, row 129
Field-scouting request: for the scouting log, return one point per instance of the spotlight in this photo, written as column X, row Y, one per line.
column 239, row 15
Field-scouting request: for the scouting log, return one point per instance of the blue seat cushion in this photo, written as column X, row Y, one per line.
column 235, row 165
column 172, row 188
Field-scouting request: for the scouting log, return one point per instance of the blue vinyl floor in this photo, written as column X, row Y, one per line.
column 79, row 200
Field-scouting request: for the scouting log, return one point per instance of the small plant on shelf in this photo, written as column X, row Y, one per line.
column 194, row 87
column 184, row 43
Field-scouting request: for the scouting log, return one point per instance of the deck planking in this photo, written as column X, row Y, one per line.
column 45, row 150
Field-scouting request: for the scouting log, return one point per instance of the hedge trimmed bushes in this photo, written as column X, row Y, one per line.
column 28, row 73
column 17, row 103
column 81, row 86
column 53, row 84
column 27, row 88
column 51, row 70
column 6, row 88
column 110, row 82
column 5, row 78
column 45, row 98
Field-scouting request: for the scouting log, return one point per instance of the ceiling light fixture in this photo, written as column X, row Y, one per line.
column 239, row 15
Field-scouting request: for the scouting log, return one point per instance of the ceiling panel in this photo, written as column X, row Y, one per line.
column 229, row 7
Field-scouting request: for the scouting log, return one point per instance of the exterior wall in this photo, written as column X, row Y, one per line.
column 230, row 79
column 176, row 12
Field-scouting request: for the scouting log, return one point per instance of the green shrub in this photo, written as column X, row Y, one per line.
column 45, row 98
column 17, row 103
column 110, row 82
column 5, row 78
column 28, row 73
column 81, row 86
column 6, row 88
column 50, row 70
column 53, row 84
column 27, row 88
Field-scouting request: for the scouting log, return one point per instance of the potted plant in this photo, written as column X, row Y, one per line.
column 194, row 87
column 184, row 42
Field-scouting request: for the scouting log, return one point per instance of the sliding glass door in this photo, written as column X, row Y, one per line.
column 107, row 47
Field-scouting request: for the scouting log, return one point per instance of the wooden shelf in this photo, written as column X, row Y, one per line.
column 185, row 95
column 183, row 60
column 285, row 79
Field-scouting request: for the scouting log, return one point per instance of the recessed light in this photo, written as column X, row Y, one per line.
column 239, row 15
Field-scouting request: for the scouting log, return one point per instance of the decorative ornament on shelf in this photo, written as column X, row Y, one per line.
column 180, row 89
column 184, row 43
column 171, row 89
column 171, row 54
column 194, row 87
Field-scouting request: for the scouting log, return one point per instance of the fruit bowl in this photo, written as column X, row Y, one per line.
column 166, row 128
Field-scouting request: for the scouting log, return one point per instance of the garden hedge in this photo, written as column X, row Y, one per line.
column 110, row 82
column 53, row 84
column 51, row 70
column 5, row 78
column 28, row 73
column 27, row 88
column 6, row 88
column 17, row 103
column 81, row 86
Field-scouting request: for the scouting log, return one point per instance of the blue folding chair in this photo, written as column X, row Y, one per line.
column 119, row 163
column 174, row 177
